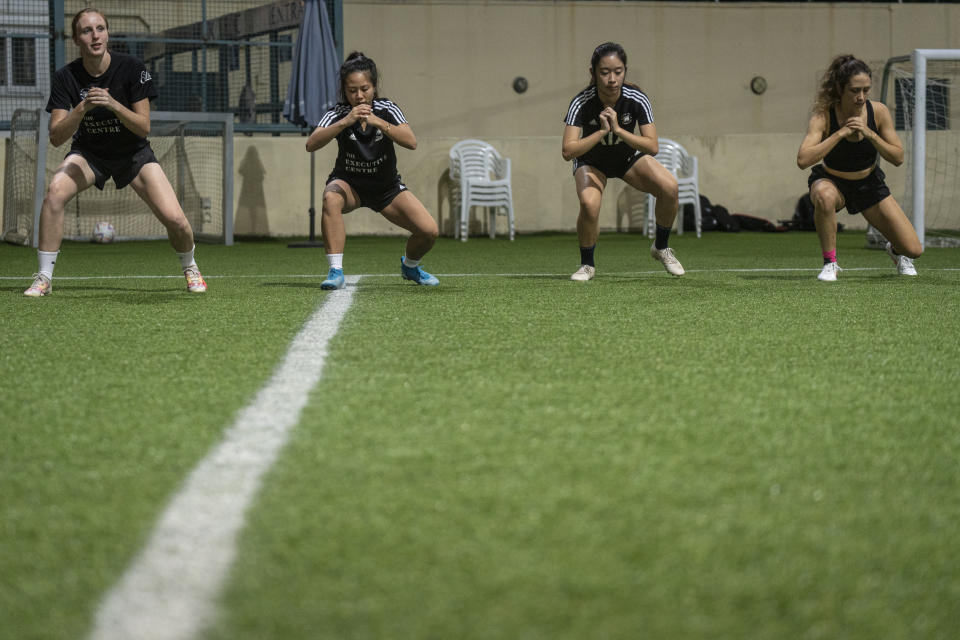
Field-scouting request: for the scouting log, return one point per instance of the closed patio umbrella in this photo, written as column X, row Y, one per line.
column 313, row 85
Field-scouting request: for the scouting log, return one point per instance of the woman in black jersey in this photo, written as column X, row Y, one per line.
column 846, row 133
column 102, row 101
column 600, row 138
column 365, row 174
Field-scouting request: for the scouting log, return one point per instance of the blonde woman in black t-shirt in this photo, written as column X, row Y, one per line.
column 846, row 133
column 366, row 127
column 101, row 101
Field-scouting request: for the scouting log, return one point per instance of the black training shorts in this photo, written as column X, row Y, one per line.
column 376, row 198
column 612, row 168
column 857, row 194
column 122, row 169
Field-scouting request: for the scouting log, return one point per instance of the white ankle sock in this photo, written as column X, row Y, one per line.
column 186, row 258
column 335, row 260
column 47, row 259
column 409, row 262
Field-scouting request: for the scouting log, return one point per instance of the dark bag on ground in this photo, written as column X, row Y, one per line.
column 713, row 217
column 803, row 218
column 753, row 223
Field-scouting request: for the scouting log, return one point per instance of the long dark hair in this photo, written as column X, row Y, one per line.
column 601, row 52
column 79, row 14
column 836, row 77
column 355, row 62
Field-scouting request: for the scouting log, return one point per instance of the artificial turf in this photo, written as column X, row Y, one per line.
column 735, row 453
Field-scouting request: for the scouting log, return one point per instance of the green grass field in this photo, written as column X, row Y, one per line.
column 743, row 452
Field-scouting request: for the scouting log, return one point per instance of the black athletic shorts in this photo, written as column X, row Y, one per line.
column 373, row 198
column 616, row 168
column 123, row 169
column 857, row 194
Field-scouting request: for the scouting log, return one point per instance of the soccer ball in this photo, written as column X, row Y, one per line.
column 103, row 233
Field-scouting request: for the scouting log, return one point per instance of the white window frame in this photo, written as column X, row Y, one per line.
column 41, row 54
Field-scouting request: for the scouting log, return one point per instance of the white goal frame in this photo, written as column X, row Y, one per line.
column 224, row 119
column 919, row 59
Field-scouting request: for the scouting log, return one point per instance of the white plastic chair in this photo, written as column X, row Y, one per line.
column 481, row 177
column 684, row 167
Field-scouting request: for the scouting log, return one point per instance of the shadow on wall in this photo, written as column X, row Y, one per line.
column 251, row 218
column 631, row 211
column 445, row 193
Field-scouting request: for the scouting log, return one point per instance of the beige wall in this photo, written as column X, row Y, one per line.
column 450, row 66
column 748, row 173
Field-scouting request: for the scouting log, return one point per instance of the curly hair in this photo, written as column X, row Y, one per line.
column 836, row 77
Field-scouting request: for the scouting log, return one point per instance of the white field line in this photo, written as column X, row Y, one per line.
column 170, row 590
column 321, row 276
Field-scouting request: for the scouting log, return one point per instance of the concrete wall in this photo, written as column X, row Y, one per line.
column 450, row 65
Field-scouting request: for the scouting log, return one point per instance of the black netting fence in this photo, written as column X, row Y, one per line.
column 229, row 56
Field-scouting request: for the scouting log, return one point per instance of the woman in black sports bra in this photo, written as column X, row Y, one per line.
column 847, row 132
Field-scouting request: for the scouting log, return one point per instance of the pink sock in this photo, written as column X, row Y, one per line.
column 829, row 256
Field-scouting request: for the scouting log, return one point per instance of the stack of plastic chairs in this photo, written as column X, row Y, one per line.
column 684, row 167
column 481, row 178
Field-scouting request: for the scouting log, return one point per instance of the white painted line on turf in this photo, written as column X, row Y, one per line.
column 264, row 276
column 169, row 591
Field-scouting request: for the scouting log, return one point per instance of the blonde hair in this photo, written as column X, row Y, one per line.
column 79, row 14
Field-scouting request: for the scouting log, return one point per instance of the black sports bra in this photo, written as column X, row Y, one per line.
column 851, row 156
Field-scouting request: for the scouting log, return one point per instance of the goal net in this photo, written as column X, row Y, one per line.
column 194, row 149
column 922, row 92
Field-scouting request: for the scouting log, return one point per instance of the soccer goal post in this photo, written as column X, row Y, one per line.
column 194, row 149
column 923, row 93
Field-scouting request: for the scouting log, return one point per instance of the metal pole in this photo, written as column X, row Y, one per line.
column 228, row 180
column 338, row 27
column 40, row 179
column 203, row 56
column 919, row 140
column 312, row 241
column 57, row 34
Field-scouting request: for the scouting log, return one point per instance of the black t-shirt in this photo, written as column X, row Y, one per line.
column 633, row 110
column 101, row 131
column 366, row 159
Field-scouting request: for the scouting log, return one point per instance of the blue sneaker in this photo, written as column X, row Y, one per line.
column 334, row 279
column 418, row 275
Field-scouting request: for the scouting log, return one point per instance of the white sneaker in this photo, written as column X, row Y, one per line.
column 904, row 264
column 41, row 286
column 670, row 262
column 195, row 281
column 584, row 273
column 829, row 272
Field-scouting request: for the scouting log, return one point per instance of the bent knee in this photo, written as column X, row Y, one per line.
column 56, row 197
column 912, row 250
column 824, row 198
column 825, row 202
column 589, row 202
column 431, row 231
column 671, row 191
column 333, row 202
